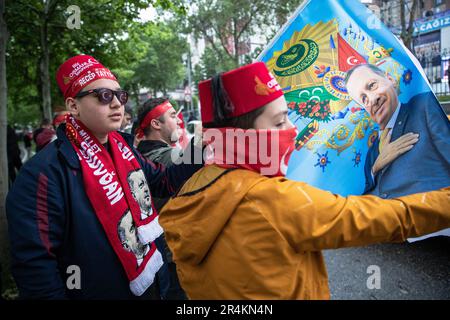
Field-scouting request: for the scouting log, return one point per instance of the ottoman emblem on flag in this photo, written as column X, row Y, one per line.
column 297, row 58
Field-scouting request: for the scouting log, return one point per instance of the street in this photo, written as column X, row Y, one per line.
column 419, row 270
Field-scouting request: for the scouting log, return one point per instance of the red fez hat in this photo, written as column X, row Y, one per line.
column 249, row 88
column 77, row 72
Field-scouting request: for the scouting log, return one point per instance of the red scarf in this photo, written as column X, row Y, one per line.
column 264, row 151
column 117, row 189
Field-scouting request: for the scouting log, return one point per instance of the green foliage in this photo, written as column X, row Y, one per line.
column 110, row 31
column 228, row 25
column 162, row 67
column 141, row 54
column 211, row 64
column 444, row 98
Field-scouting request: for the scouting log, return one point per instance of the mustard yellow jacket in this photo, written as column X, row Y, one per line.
column 236, row 234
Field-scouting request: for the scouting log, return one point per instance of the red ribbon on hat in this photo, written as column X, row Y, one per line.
column 154, row 114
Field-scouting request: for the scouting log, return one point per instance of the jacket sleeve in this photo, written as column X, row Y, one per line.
column 36, row 222
column 165, row 181
column 311, row 219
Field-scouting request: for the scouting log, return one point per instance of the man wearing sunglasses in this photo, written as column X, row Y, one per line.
column 66, row 206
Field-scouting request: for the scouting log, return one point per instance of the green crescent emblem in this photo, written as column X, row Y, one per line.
column 297, row 58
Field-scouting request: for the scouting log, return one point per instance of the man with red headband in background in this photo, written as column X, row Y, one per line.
column 159, row 131
column 75, row 214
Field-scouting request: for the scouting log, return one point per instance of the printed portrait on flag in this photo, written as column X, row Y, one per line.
column 311, row 58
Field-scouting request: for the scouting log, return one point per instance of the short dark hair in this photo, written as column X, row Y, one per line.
column 45, row 122
column 129, row 110
column 148, row 106
column 223, row 108
column 372, row 67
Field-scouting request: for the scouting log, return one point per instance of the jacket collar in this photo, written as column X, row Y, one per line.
column 65, row 148
column 400, row 122
column 149, row 145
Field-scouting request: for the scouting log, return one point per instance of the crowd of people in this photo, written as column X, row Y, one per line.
column 143, row 217
column 20, row 142
column 436, row 65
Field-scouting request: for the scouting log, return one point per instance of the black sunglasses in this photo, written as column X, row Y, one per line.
column 105, row 96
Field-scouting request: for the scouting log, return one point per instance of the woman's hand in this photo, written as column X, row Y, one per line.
column 392, row 150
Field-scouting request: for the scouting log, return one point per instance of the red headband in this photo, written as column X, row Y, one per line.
column 154, row 114
column 77, row 72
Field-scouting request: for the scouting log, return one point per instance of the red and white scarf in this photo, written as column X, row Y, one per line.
column 264, row 151
column 117, row 189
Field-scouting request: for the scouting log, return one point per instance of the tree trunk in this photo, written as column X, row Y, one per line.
column 407, row 31
column 4, row 256
column 403, row 21
column 412, row 17
column 44, row 73
column 236, row 43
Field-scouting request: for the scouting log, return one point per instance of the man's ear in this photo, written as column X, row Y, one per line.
column 155, row 124
column 72, row 106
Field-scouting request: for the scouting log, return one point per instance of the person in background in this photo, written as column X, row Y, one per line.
column 158, row 126
column 13, row 153
column 44, row 134
column 27, row 141
column 448, row 75
column 127, row 121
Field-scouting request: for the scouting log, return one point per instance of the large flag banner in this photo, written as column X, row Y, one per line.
column 310, row 57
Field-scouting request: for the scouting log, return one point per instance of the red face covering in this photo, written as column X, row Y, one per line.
column 264, row 151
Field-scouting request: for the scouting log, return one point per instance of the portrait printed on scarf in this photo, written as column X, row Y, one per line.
column 127, row 232
column 141, row 192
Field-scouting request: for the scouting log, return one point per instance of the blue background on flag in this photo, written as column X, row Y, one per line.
column 338, row 170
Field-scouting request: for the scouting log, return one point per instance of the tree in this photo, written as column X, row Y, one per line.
column 3, row 152
column 227, row 26
column 210, row 64
column 40, row 34
column 407, row 31
column 162, row 67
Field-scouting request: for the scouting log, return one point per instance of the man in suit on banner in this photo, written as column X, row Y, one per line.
column 413, row 152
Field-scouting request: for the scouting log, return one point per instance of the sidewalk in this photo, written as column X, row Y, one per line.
column 419, row 270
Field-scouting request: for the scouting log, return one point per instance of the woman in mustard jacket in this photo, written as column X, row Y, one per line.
column 238, row 229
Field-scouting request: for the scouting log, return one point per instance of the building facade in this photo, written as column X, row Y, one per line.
column 431, row 35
